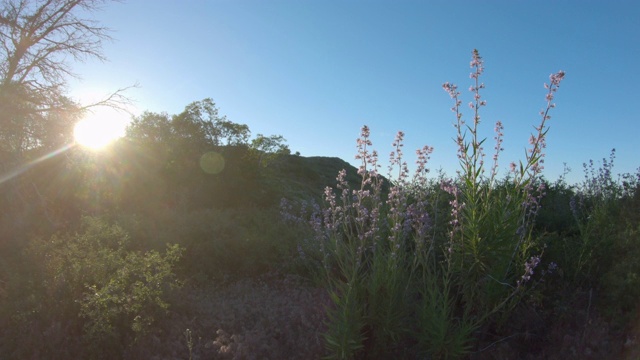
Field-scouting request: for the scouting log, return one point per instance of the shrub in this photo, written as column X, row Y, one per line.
column 595, row 207
column 95, row 288
column 621, row 283
column 221, row 242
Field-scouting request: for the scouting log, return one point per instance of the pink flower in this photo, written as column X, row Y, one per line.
column 477, row 63
column 556, row 78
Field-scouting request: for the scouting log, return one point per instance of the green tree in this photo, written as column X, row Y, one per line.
column 234, row 134
column 198, row 128
column 150, row 128
column 38, row 41
column 177, row 144
column 200, row 122
column 269, row 148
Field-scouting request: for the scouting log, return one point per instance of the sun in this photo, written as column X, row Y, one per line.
column 101, row 127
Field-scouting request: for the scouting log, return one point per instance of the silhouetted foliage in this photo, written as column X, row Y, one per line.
column 39, row 39
column 174, row 147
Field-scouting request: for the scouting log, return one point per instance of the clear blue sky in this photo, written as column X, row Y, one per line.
column 316, row 71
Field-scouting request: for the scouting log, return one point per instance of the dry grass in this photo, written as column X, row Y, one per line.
column 273, row 316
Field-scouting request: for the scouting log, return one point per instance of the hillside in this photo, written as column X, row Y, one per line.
column 305, row 178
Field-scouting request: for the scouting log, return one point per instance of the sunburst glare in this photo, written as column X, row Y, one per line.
column 101, row 127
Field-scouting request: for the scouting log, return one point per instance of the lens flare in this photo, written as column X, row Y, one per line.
column 101, row 128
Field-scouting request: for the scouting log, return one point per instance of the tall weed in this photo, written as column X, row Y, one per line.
column 385, row 261
column 595, row 209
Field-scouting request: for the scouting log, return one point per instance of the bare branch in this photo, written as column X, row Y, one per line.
column 116, row 100
column 37, row 40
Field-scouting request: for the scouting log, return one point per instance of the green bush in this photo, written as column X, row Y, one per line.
column 93, row 290
column 621, row 284
column 223, row 242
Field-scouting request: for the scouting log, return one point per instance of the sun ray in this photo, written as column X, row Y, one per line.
column 22, row 168
column 101, row 127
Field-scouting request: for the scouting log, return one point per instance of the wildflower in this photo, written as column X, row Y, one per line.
column 342, row 182
column 449, row 187
column 556, row 78
column 330, row 196
column 512, row 167
column 529, row 266
column 452, row 89
column 477, row 63
column 396, row 158
column 365, row 132
column 422, row 159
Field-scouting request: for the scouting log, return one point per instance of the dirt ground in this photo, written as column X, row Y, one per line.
column 278, row 316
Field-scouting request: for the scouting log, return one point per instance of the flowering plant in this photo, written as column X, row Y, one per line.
column 386, row 258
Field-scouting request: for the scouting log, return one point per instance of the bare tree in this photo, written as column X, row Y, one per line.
column 39, row 39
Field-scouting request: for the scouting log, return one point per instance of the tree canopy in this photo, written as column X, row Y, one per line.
column 198, row 126
column 39, row 40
